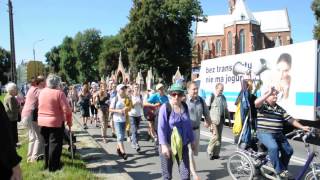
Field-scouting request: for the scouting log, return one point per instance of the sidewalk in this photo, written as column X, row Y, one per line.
column 100, row 162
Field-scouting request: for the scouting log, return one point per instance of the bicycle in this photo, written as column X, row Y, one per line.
column 247, row 164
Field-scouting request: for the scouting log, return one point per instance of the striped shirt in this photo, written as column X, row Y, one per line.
column 272, row 119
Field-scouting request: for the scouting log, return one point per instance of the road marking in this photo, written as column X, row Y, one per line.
column 295, row 159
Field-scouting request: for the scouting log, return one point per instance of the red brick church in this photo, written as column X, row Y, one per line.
column 239, row 31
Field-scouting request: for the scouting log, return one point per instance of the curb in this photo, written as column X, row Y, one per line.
column 94, row 155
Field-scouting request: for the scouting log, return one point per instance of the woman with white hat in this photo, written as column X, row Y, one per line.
column 119, row 109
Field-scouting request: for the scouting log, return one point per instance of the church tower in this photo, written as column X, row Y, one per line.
column 232, row 4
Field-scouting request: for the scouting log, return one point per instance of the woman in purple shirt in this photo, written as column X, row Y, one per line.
column 174, row 114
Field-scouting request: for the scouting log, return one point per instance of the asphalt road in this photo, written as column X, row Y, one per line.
column 146, row 163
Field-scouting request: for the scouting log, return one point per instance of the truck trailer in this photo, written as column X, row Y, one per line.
column 293, row 70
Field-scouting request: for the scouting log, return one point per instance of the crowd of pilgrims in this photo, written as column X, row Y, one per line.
column 173, row 114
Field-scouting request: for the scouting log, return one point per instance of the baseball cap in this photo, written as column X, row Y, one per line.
column 120, row 86
column 158, row 86
column 177, row 87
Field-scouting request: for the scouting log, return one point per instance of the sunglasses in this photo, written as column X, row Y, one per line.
column 174, row 94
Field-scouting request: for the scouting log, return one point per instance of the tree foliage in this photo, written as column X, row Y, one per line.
column 4, row 64
column 68, row 60
column 53, row 59
column 158, row 35
column 109, row 57
column 77, row 59
column 87, row 46
column 316, row 10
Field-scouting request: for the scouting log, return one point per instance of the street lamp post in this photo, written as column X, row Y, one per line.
column 34, row 56
column 34, row 51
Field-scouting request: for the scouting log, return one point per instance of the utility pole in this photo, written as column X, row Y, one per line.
column 12, row 46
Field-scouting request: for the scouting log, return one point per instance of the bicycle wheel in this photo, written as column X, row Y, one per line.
column 311, row 176
column 240, row 166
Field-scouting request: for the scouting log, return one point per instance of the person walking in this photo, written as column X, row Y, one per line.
column 119, row 112
column 84, row 102
column 73, row 98
column 102, row 105
column 53, row 112
column 135, row 116
column 175, row 133
column 93, row 109
column 218, row 113
column 29, row 117
column 12, row 108
column 197, row 108
column 155, row 101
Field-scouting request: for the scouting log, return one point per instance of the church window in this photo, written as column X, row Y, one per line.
column 242, row 45
column 203, row 44
column 243, row 17
column 254, row 41
column 229, row 43
column 218, row 47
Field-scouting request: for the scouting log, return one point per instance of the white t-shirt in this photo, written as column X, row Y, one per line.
column 137, row 110
column 118, row 117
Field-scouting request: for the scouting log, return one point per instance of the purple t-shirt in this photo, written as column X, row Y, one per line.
column 180, row 120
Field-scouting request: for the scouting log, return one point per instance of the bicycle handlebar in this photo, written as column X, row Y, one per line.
column 300, row 133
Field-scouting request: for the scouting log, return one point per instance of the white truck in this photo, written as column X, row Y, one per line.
column 294, row 70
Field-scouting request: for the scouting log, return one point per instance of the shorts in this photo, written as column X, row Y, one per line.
column 120, row 130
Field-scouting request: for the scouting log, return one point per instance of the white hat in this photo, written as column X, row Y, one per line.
column 120, row 86
column 158, row 86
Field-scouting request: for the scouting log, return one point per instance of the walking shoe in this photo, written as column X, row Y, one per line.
column 40, row 157
column 124, row 156
column 155, row 141
column 137, row 147
column 85, row 126
column 211, row 157
column 285, row 175
column 114, row 135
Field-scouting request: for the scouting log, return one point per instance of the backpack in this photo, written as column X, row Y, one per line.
column 211, row 101
column 169, row 109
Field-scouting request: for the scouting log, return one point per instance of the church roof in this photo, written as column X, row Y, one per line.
column 270, row 21
column 241, row 12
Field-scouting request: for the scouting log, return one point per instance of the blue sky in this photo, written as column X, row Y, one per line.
column 52, row 20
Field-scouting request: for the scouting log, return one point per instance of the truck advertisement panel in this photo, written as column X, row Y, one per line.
column 292, row 70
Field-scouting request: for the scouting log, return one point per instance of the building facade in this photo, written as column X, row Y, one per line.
column 238, row 32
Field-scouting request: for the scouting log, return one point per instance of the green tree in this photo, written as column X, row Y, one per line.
column 316, row 10
column 53, row 59
column 109, row 56
column 4, row 64
column 87, row 47
column 158, row 35
column 68, row 60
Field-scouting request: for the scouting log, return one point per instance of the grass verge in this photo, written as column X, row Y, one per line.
column 71, row 170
